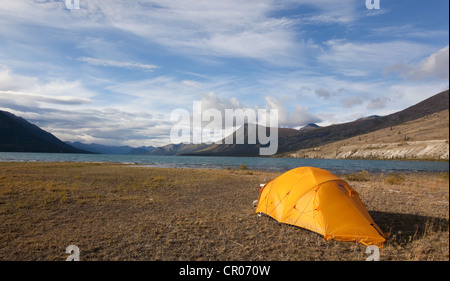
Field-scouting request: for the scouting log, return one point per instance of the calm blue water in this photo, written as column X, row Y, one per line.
column 254, row 163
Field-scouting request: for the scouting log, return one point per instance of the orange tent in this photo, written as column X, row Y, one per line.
column 317, row 200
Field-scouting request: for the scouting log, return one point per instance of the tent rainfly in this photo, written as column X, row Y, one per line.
column 319, row 201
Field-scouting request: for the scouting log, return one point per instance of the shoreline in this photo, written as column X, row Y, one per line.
column 270, row 170
column 374, row 158
column 284, row 155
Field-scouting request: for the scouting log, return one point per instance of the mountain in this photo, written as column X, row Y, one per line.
column 425, row 138
column 293, row 140
column 143, row 150
column 222, row 149
column 178, row 149
column 102, row 149
column 370, row 117
column 16, row 134
column 333, row 133
column 19, row 135
column 308, row 127
column 111, row 149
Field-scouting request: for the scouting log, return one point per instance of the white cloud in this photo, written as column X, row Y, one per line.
column 322, row 93
column 106, row 126
column 409, row 93
column 161, row 93
column 351, row 101
column 300, row 116
column 409, row 30
column 14, row 82
column 287, row 117
column 191, row 83
column 212, row 101
column 379, row 102
column 101, row 62
column 366, row 59
column 332, row 11
column 206, row 28
column 55, row 91
column 343, row 98
column 435, row 66
column 36, row 99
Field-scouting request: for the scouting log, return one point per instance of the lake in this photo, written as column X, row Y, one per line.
column 253, row 163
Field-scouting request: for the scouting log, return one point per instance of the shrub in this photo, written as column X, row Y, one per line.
column 159, row 179
column 443, row 176
column 395, row 178
column 361, row 176
column 243, row 167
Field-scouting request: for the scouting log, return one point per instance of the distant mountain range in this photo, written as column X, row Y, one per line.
column 425, row 138
column 333, row 133
column 18, row 135
column 107, row 149
column 313, row 135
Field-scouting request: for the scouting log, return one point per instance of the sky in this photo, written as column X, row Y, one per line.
column 113, row 71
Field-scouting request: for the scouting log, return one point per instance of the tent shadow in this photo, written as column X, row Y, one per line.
column 404, row 227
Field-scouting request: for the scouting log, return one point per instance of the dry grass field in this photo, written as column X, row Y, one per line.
column 124, row 212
